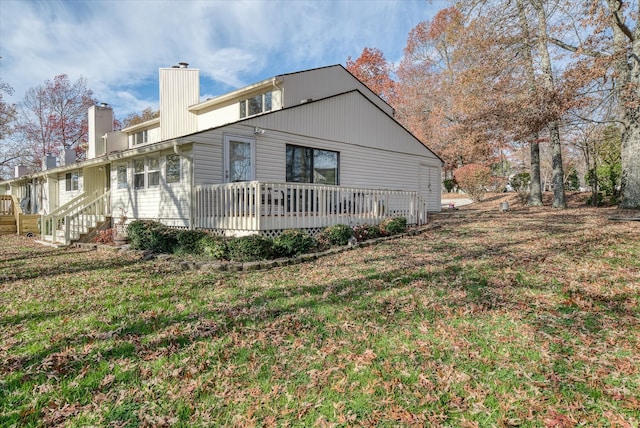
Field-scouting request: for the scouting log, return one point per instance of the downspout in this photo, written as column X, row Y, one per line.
column 273, row 82
column 178, row 151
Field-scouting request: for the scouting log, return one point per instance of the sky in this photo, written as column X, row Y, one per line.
column 119, row 45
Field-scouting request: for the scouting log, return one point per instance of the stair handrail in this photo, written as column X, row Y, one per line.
column 72, row 220
column 49, row 222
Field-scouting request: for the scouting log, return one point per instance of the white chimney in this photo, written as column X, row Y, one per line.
column 179, row 89
column 100, row 123
column 21, row 170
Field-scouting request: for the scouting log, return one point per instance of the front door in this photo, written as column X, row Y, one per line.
column 239, row 159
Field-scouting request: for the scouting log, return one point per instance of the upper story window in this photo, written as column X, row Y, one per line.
column 309, row 165
column 257, row 104
column 140, row 137
column 72, row 181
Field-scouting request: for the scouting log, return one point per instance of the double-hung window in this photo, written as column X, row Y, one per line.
column 146, row 172
column 309, row 165
column 138, row 174
column 153, row 172
column 72, row 181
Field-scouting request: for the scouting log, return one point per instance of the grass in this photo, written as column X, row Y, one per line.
column 527, row 318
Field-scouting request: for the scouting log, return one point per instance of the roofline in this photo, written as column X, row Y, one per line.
column 271, row 81
column 247, row 119
column 142, row 125
column 102, row 160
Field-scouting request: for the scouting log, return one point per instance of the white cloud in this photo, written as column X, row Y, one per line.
column 119, row 45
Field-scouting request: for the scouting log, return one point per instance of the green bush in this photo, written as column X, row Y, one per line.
column 214, row 247
column 339, row 234
column 188, row 241
column 449, row 184
column 138, row 232
column 292, row 242
column 250, row 248
column 163, row 239
column 153, row 236
column 363, row 232
column 394, row 225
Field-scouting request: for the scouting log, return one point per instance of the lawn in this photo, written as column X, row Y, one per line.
column 525, row 318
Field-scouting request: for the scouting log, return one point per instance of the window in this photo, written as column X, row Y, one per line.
column 153, row 172
column 140, row 137
column 72, row 181
column 121, row 175
column 256, row 104
column 172, row 169
column 138, row 174
column 309, row 165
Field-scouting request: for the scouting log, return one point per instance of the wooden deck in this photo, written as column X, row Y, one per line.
column 13, row 221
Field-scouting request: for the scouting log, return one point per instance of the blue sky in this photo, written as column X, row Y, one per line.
column 119, row 45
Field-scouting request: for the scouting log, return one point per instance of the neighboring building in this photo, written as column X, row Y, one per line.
column 300, row 150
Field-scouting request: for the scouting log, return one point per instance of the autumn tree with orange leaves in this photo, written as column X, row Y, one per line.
column 372, row 69
column 53, row 117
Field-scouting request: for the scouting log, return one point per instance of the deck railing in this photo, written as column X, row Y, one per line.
column 9, row 205
column 257, row 206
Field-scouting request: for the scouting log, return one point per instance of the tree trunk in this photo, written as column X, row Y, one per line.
column 535, row 195
column 549, row 87
column 559, row 200
column 628, row 67
column 535, row 190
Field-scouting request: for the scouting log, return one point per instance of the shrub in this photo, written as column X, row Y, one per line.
column 449, row 184
column 292, row 242
column 322, row 242
column 152, row 235
column 138, row 232
column 473, row 179
column 213, row 246
column 520, row 183
column 363, row 232
column 163, row 239
column 394, row 225
column 188, row 241
column 339, row 234
column 250, row 248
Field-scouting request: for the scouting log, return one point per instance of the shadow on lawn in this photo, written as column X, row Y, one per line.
column 14, row 270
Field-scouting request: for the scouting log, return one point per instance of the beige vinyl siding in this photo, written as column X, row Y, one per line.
column 168, row 202
column 179, row 89
column 324, row 82
column 223, row 114
column 375, row 152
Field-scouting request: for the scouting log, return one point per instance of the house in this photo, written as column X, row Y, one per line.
column 301, row 150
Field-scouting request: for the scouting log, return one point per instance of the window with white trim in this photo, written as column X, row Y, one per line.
column 140, row 137
column 153, row 172
column 257, row 104
column 72, row 181
column 121, row 176
column 172, row 169
column 138, row 174
column 309, row 165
